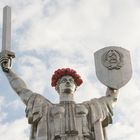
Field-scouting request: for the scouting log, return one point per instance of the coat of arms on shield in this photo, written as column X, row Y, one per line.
column 113, row 66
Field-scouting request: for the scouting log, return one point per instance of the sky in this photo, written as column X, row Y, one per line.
column 52, row 34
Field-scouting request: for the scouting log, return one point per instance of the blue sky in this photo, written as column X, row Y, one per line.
column 51, row 34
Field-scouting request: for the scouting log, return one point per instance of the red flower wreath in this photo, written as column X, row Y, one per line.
column 66, row 71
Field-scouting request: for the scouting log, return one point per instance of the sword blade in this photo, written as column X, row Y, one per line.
column 6, row 34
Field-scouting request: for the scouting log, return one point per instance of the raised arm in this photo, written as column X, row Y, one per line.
column 15, row 81
column 102, row 108
column 106, row 104
column 112, row 94
column 18, row 86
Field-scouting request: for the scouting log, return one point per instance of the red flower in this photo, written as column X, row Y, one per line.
column 66, row 71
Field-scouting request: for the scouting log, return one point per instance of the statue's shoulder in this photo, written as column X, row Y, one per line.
column 37, row 106
column 38, row 100
column 91, row 101
column 95, row 101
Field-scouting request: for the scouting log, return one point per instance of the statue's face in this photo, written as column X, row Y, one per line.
column 66, row 85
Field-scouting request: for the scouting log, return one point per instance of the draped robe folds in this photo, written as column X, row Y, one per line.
column 67, row 120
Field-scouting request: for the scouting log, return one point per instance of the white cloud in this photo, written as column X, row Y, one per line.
column 17, row 130
column 49, row 34
column 2, row 114
column 33, row 70
column 15, row 104
column 122, row 130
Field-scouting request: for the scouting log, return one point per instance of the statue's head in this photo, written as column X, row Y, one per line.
column 66, row 80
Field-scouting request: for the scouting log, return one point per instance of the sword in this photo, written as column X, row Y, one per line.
column 6, row 40
column 99, row 135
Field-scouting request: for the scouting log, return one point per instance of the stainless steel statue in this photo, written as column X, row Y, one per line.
column 68, row 120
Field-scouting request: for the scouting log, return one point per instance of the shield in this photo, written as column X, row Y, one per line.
column 113, row 66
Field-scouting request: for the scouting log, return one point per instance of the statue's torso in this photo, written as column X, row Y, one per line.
column 69, row 121
column 64, row 121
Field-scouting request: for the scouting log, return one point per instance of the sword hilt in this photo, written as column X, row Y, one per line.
column 6, row 59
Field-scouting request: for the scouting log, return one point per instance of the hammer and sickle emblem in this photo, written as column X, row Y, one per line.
column 112, row 59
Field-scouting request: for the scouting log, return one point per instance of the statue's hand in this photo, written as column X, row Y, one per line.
column 113, row 95
column 5, row 60
column 111, row 91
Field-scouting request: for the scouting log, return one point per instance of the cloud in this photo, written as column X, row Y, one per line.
column 15, row 105
column 15, row 130
column 122, row 133
column 50, row 34
column 31, row 68
column 2, row 114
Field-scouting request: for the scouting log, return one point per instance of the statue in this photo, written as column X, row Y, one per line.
column 68, row 120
